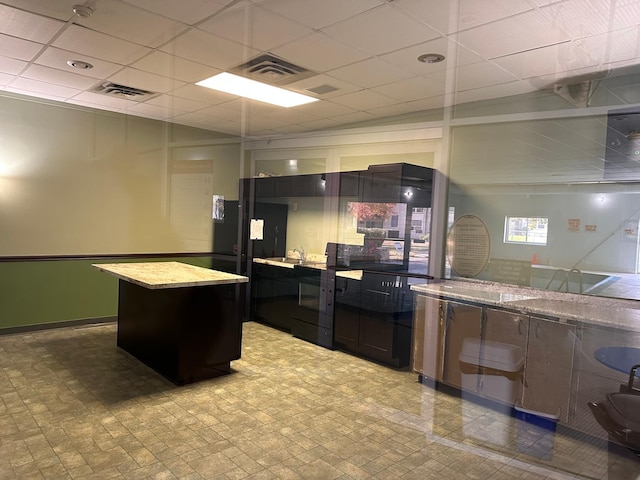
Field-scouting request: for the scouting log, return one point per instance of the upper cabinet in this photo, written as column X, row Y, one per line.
column 397, row 183
column 300, row 186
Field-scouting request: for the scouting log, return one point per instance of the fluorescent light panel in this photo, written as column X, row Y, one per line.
column 244, row 87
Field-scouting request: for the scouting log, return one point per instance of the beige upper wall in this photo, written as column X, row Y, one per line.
column 76, row 181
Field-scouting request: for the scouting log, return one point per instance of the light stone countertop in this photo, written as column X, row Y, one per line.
column 351, row 274
column 607, row 312
column 157, row 275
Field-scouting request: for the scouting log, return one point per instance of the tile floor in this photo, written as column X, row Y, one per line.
column 72, row 405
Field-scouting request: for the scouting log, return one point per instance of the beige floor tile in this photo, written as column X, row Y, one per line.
column 289, row 410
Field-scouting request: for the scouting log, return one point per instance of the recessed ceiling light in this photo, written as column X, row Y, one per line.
column 79, row 64
column 244, row 87
column 431, row 58
column 83, row 11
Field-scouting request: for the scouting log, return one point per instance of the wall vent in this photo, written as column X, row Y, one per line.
column 123, row 91
column 270, row 69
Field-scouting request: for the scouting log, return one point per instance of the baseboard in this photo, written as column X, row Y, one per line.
column 49, row 326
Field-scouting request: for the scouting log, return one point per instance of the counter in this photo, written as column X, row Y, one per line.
column 556, row 335
column 606, row 312
column 183, row 321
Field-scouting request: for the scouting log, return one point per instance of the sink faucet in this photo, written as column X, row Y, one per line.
column 300, row 252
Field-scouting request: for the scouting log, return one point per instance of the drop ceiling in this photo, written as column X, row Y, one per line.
column 361, row 55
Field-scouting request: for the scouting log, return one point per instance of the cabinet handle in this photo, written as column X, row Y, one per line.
column 519, row 326
column 537, row 329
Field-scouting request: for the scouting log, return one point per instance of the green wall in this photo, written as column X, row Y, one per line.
column 38, row 292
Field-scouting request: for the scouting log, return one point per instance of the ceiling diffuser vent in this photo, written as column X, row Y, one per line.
column 322, row 89
column 270, row 69
column 123, row 91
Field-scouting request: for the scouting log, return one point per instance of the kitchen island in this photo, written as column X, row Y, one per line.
column 183, row 321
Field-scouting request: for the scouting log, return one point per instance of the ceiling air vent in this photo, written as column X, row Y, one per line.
column 322, row 89
column 123, row 91
column 270, row 69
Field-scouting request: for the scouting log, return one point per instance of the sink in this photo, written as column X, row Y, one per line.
column 294, row 261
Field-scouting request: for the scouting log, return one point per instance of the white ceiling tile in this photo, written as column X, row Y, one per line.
column 320, row 14
column 255, row 27
column 200, row 46
column 199, row 120
column 59, row 77
column 13, row 47
column 5, row 79
column 325, row 109
column 370, row 73
column 391, row 110
column 582, row 19
column 11, row 65
column 57, row 58
column 113, row 103
column 177, row 103
column 145, row 80
column 29, row 26
column 524, row 32
column 186, row 11
column 431, row 103
column 98, row 45
column 455, row 55
column 38, row 95
column 154, row 111
column 495, row 91
column 363, row 31
column 167, row 65
column 364, row 100
column 311, row 52
column 410, row 89
column 121, row 20
column 320, row 124
column 35, row 86
column 60, row 9
column 555, row 59
column 434, row 13
column 355, row 117
column 613, row 47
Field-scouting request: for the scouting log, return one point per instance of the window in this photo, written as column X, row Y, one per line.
column 526, row 230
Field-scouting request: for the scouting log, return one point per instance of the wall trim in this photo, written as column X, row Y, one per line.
column 49, row 326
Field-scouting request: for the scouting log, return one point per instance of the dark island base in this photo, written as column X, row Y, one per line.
column 185, row 334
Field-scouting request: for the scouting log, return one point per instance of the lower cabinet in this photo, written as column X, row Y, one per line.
column 462, row 321
column 517, row 359
column 549, row 367
column 374, row 318
column 428, row 331
column 274, row 295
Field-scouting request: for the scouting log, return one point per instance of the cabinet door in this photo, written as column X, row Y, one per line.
column 548, row 369
column 428, row 329
column 376, row 336
column 511, row 329
column 462, row 321
column 346, row 321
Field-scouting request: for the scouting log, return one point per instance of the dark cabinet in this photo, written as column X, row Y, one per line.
column 349, row 184
column 373, row 318
column 274, row 295
column 300, row 186
column 397, row 183
column 313, row 316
